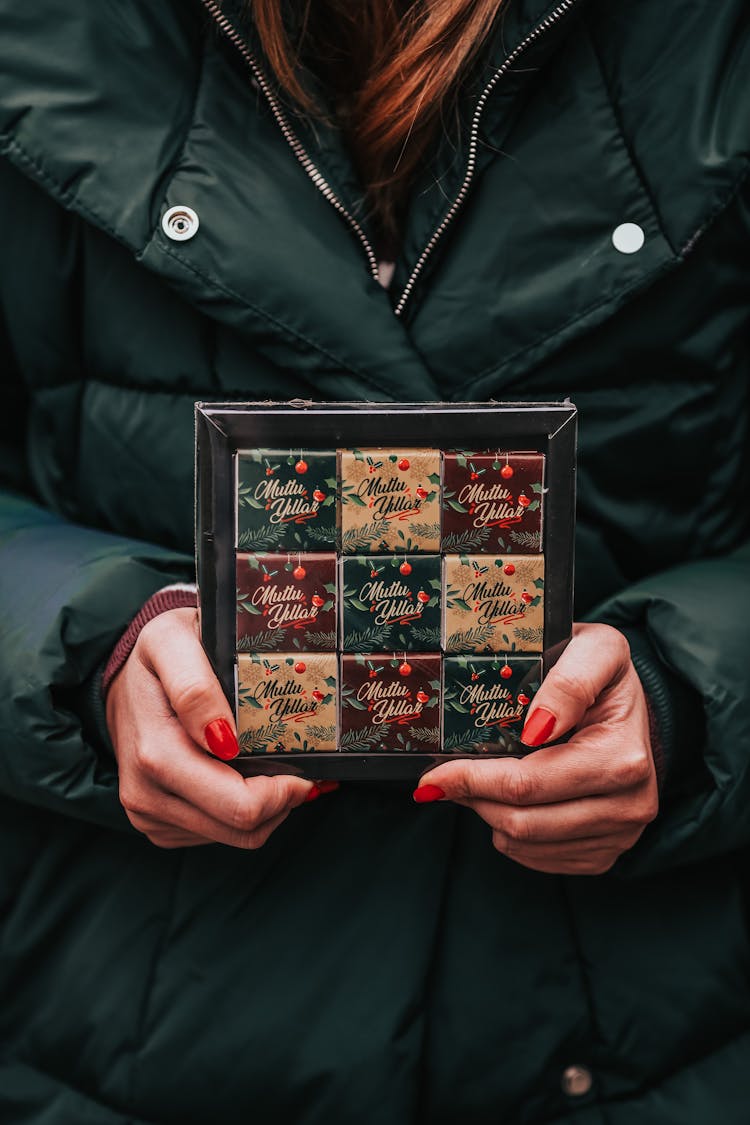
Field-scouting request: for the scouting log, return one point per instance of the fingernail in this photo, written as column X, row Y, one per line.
column 538, row 728
column 426, row 793
column 221, row 739
column 328, row 786
column 314, row 793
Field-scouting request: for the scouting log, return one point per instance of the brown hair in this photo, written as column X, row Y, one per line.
column 391, row 67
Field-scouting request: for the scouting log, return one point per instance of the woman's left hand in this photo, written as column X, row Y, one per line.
column 571, row 809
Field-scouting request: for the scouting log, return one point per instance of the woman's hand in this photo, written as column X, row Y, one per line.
column 569, row 809
column 158, row 708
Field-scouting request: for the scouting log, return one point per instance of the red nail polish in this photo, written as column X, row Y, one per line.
column 314, row 793
column 328, row 786
column 221, row 739
column 426, row 793
column 538, row 728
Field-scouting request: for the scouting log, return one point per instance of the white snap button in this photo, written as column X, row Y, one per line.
column 180, row 223
column 576, row 1081
column 628, row 237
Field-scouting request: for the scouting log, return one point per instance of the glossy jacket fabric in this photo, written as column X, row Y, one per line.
column 374, row 962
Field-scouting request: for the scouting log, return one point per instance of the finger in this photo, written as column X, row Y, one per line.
column 179, row 819
column 591, row 846
column 594, row 862
column 588, row 765
column 571, row 820
column 176, row 765
column 597, row 657
column 169, row 647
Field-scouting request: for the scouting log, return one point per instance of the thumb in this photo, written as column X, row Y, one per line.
column 172, row 651
column 597, row 656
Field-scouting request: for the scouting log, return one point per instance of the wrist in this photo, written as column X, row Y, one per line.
column 177, row 596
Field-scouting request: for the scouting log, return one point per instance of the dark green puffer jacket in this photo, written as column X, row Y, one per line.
column 375, row 962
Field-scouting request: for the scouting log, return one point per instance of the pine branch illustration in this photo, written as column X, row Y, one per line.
column 427, row 636
column 368, row 640
column 320, row 733
column 532, row 635
column 256, row 741
column 358, row 741
column 427, row 735
column 529, row 539
column 358, row 539
column 259, row 538
column 322, row 642
column 270, row 640
column 327, row 535
column 471, row 640
column 425, row 530
column 458, row 543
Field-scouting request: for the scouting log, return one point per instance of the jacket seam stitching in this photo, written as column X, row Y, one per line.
column 13, row 147
column 634, row 162
column 297, row 335
column 639, row 283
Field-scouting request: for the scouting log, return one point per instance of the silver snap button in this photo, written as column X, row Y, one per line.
column 628, row 237
column 576, row 1081
column 180, row 223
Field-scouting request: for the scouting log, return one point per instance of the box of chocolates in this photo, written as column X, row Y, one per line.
column 371, row 607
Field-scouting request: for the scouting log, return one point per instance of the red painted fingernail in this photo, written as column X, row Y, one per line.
column 538, row 728
column 426, row 793
column 314, row 793
column 328, row 786
column 221, row 739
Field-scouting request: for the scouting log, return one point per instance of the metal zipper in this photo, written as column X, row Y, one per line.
column 234, row 36
column 317, row 177
column 450, row 214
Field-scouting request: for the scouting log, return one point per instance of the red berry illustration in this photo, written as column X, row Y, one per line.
column 319, row 496
column 300, row 667
column 509, row 569
column 471, row 509
column 269, row 472
column 405, row 669
column 316, row 600
column 422, row 696
column 405, row 568
column 506, row 472
column 299, row 572
column 423, row 597
column 266, row 577
column 300, row 467
column 527, row 597
column 373, row 673
column 317, row 695
column 506, row 671
column 403, row 464
column 422, row 493
column 523, row 500
column 523, row 699
column 267, row 506
column 474, row 476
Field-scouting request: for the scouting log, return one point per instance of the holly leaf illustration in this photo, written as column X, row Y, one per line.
column 539, row 583
column 434, row 478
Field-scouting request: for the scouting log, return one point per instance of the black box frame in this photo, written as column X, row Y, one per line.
column 223, row 429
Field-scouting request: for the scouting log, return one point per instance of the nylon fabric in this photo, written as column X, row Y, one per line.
column 375, row 961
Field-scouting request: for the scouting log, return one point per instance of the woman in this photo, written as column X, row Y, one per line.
column 458, row 201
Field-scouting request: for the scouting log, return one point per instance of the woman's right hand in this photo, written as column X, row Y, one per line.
column 177, row 794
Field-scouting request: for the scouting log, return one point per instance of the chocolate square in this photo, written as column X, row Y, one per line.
column 390, row 704
column 391, row 603
column 485, row 700
column 493, row 603
column 286, row 501
column 492, row 502
column 287, row 703
column 286, row 602
column 390, row 501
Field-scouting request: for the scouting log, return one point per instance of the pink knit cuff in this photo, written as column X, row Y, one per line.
column 170, row 597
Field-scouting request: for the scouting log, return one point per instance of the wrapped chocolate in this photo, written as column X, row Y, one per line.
column 287, row 703
column 286, row 601
column 492, row 502
column 391, row 602
column 390, row 703
column 390, row 501
column 493, row 603
column 485, row 700
column 286, row 501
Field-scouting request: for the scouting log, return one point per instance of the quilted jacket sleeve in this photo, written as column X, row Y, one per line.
column 689, row 628
column 66, row 594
